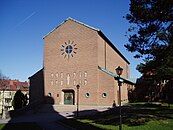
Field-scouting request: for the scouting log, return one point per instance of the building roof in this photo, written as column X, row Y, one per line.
column 95, row 29
column 14, row 85
column 113, row 47
column 69, row 18
column 40, row 71
column 125, row 80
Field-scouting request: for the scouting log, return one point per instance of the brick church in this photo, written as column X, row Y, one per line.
column 78, row 54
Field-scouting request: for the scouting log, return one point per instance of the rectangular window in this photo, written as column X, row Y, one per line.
column 85, row 74
column 85, row 82
column 57, row 75
column 80, row 74
column 74, row 75
column 61, row 75
column 61, row 82
column 51, row 82
column 68, row 79
column 56, row 82
column 80, row 82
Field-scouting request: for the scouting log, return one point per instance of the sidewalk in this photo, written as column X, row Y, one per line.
column 72, row 108
column 49, row 120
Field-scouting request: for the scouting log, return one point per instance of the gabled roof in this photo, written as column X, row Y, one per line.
column 69, row 18
column 95, row 29
column 14, row 85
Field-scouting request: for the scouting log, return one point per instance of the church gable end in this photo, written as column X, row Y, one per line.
column 71, row 58
column 72, row 53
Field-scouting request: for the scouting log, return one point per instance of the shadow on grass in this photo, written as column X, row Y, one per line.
column 132, row 115
column 79, row 125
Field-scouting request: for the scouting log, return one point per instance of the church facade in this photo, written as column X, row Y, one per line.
column 78, row 54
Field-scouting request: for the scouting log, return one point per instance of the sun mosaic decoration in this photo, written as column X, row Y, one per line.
column 68, row 49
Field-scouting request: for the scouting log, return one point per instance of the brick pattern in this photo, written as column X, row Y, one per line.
column 109, row 59
column 92, row 51
column 83, row 61
column 36, row 89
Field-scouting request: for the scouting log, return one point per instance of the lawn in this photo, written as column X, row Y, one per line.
column 20, row 126
column 137, row 116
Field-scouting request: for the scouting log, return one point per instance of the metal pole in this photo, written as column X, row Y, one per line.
column 119, row 84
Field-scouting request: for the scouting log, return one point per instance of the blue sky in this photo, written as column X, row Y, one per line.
column 25, row 22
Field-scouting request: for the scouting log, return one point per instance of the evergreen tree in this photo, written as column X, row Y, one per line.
column 151, row 38
column 18, row 101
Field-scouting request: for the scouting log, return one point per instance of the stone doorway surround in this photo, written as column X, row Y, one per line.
column 68, row 97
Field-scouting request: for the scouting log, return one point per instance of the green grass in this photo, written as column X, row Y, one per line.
column 1, row 126
column 20, row 126
column 142, row 116
column 152, row 125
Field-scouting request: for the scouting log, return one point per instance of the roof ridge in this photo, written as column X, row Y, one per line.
column 70, row 18
column 95, row 29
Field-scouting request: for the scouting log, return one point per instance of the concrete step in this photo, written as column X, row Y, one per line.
column 70, row 108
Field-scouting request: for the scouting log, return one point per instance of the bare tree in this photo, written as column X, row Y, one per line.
column 4, row 83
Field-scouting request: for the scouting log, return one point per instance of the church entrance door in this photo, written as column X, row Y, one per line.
column 68, row 97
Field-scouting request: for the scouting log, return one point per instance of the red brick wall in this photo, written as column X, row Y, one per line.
column 36, row 89
column 106, row 85
column 89, row 55
column 85, row 60
column 109, row 59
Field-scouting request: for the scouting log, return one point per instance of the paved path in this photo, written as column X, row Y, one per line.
column 49, row 120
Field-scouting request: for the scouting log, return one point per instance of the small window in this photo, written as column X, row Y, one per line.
column 85, row 74
column 57, row 75
column 87, row 95
column 74, row 74
column 104, row 95
column 68, row 79
column 80, row 82
column 61, row 75
column 61, row 82
column 51, row 82
column 49, row 94
column 56, row 81
column 80, row 74
column 85, row 82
